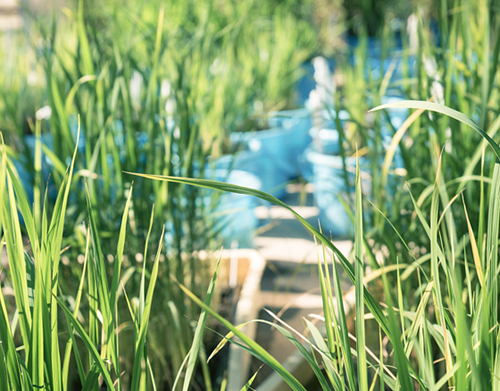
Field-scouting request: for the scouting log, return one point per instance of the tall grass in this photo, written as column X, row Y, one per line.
column 56, row 335
column 455, row 65
column 158, row 90
column 444, row 336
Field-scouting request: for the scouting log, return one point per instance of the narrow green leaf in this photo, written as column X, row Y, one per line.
column 248, row 384
column 92, row 380
column 198, row 335
column 141, row 339
column 438, row 108
column 119, row 252
column 72, row 341
column 109, row 344
column 89, row 344
column 401, row 361
column 359, row 287
column 320, row 343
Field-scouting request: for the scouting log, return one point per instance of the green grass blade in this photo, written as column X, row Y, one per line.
column 446, row 378
column 320, row 343
column 475, row 250
column 9, row 348
column 198, row 335
column 327, row 303
column 92, row 380
column 248, row 384
column 59, row 166
column 491, row 242
column 359, row 287
column 142, row 289
column 102, row 286
column 344, row 331
column 55, row 238
column 72, row 341
column 424, row 105
column 336, row 341
column 437, row 258
column 179, row 373
column 40, row 329
column 86, row 55
column 3, row 372
column 71, row 94
column 418, row 319
column 119, row 252
column 25, row 209
column 89, row 344
column 15, row 253
column 401, row 361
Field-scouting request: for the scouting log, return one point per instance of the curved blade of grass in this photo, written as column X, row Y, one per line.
column 396, row 139
column 57, row 163
column 253, row 347
column 438, row 108
column 73, row 91
column 449, row 374
column 27, row 383
column 469, row 178
column 142, row 289
column 25, row 209
column 476, row 157
column 370, row 301
column 198, row 334
column 181, row 369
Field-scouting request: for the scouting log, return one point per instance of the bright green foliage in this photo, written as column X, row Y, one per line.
column 450, row 341
column 40, row 301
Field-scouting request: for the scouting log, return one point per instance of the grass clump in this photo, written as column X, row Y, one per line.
column 445, row 336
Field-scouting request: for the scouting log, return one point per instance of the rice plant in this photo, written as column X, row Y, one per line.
column 60, row 334
column 444, row 57
column 444, row 336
